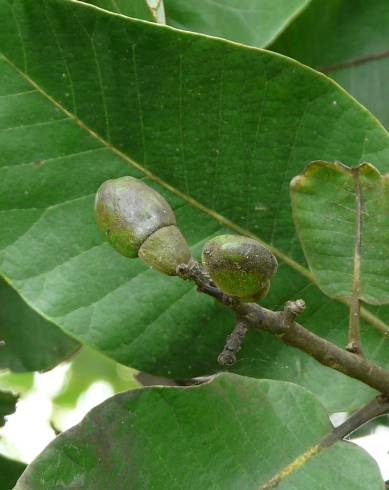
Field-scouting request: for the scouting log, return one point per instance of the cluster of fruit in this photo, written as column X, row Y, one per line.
column 138, row 222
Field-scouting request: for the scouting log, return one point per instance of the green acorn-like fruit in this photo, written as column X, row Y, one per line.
column 239, row 266
column 138, row 221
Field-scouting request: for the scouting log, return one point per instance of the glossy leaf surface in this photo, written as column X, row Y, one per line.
column 222, row 133
column 233, row 432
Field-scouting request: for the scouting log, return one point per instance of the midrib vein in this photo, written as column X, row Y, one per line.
column 354, row 333
column 291, row 467
column 367, row 315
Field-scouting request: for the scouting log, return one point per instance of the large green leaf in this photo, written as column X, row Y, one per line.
column 10, row 471
column 233, row 432
column 222, row 127
column 349, row 41
column 342, row 219
column 31, row 343
column 151, row 10
column 253, row 22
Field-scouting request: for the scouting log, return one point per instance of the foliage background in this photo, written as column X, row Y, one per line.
column 204, row 97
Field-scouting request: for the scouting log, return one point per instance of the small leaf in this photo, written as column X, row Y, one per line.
column 253, row 22
column 31, row 343
column 231, row 433
column 342, row 219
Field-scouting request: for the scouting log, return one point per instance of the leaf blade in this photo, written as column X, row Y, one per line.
column 201, row 140
column 341, row 216
column 247, row 420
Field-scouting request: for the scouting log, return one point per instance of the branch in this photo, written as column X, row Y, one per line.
column 355, row 62
column 234, row 343
column 282, row 325
column 374, row 408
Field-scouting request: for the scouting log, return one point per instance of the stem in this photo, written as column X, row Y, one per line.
column 322, row 350
column 355, row 62
column 282, row 325
column 354, row 336
column 233, row 344
column 374, row 408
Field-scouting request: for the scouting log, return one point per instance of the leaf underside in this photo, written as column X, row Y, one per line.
column 222, row 128
column 252, row 433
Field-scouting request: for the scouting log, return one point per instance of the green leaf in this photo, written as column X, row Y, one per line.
column 233, row 432
column 10, row 471
column 342, row 219
column 348, row 41
column 252, row 22
column 7, row 405
column 151, row 10
column 220, row 134
column 31, row 343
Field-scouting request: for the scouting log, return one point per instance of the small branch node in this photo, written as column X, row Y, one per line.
column 354, row 347
column 230, row 300
column 226, row 358
column 252, row 317
column 189, row 271
column 182, row 271
column 194, row 271
column 291, row 310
